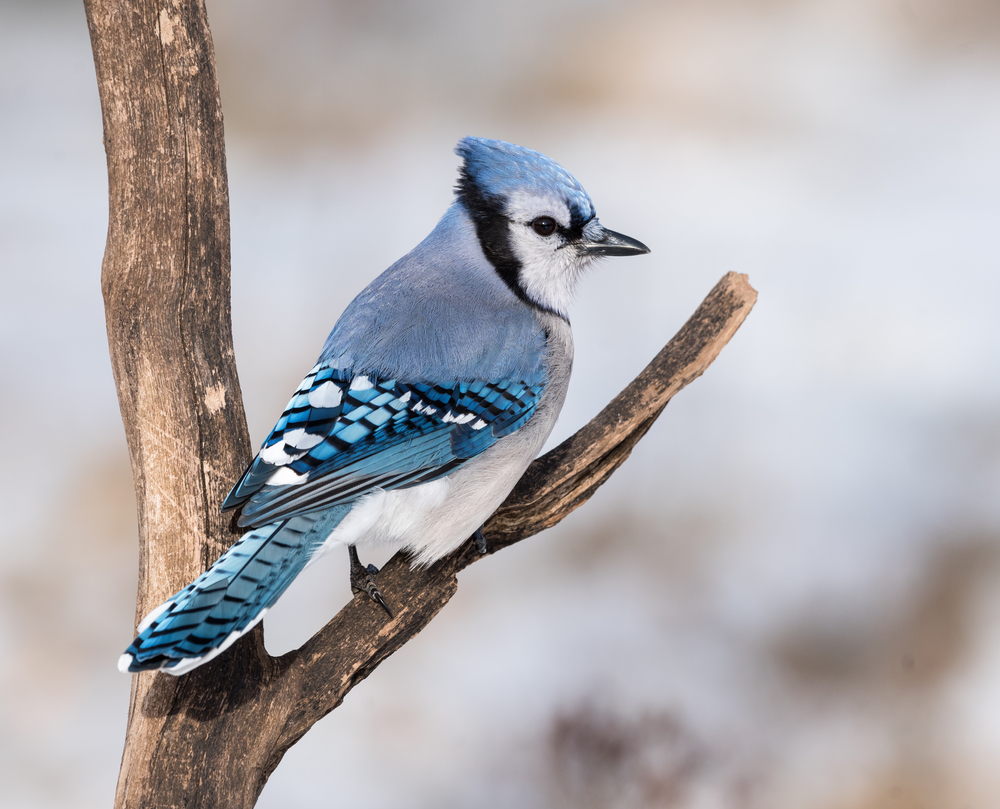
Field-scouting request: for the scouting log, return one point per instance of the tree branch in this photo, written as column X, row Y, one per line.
column 212, row 737
column 353, row 644
column 565, row 478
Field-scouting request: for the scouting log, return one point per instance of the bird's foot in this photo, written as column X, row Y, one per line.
column 480, row 540
column 363, row 580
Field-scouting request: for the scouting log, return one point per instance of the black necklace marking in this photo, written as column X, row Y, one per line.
column 493, row 231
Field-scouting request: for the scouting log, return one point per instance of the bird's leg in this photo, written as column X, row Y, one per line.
column 480, row 541
column 363, row 580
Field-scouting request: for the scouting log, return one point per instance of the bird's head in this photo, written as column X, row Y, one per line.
column 535, row 222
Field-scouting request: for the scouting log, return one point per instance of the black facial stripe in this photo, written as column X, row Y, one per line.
column 573, row 233
column 493, row 231
column 577, row 222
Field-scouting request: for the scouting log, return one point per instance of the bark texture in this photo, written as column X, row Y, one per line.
column 211, row 738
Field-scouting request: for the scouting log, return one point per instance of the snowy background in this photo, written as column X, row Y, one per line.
column 787, row 598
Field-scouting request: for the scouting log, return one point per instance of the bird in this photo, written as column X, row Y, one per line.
column 437, row 387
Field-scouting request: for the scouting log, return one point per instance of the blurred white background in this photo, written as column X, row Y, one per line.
column 787, row 598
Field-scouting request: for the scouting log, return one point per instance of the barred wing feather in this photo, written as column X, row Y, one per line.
column 339, row 438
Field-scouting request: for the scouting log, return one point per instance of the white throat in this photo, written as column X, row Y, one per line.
column 549, row 278
column 550, row 266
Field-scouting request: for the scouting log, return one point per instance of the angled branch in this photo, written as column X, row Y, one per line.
column 353, row 644
column 565, row 478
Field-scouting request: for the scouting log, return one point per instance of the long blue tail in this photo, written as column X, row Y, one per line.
column 230, row 598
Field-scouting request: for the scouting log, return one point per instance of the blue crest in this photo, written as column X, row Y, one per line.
column 494, row 168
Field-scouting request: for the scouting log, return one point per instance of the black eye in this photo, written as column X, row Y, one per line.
column 544, row 225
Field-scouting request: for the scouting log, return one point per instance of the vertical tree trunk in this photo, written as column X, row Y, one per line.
column 212, row 737
column 166, row 288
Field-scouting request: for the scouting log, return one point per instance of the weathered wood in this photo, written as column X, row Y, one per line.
column 212, row 737
column 165, row 279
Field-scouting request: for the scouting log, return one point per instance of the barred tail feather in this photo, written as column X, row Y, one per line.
column 230, row 598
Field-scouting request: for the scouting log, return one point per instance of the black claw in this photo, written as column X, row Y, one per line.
column 480, row 541
column 363, row 580
column 376, row 596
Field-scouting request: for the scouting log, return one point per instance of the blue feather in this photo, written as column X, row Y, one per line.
column 383, row 433
column 503, row 168
column 228, row 599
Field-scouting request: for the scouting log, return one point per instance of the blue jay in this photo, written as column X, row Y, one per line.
column 434, row 391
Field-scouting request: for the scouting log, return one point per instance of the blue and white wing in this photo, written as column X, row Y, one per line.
column 336, row 440
column 339, row 438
